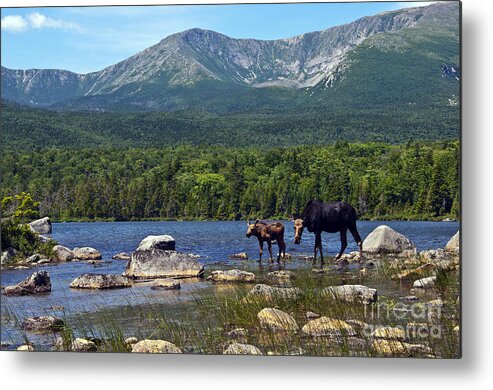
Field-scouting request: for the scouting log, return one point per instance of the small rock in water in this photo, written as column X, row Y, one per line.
column 164, row 242
column 25, row 347
column 239, row 256
column 38, row 282
column 100, row 281
column 121, row 256
column 83, row 345
column 131, row 340
column 242, row 349
column 63, row 253
column 281, row 277
column 351, row 293
column 43, row 324
column 155, row 346
column 166, row 284
column 263, row 292
column 87, row 253
column 233, row 275
column 277, row 320
column 325, row 326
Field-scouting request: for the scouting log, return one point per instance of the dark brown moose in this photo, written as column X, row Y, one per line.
column 268, row 232
column 318, row 217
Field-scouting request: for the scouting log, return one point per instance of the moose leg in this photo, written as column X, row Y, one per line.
column 357, row 238
column 343, row 243
column 318, row 244
column 282, row 249
column 261, row 245
column 269, row 244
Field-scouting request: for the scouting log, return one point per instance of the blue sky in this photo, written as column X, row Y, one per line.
column 88, row 39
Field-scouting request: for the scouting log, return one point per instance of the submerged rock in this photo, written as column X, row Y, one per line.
column 233, row 275
column 38, row 282
column 100, row 281
column 351, row 293
column 453, row 246
column 62, row 253
column 263, row 292
column 41, row 226
column 158, row 263
column 164, row 242
column 325, row 326
column 239, row 256
column 166, row 284
column 242, row 349
column 87, row 253
column 121, row 256
column 43, row 324
column 155, row 346
column 277, row 320
column 384, row 241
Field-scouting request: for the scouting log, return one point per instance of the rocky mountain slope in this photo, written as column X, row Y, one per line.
column 196, row 68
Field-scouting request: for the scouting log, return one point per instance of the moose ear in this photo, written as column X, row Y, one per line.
column 248, row 222
column 256, row 221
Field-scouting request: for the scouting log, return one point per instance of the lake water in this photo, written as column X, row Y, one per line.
column 213, row 241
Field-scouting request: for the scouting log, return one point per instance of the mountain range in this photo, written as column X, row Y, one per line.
column 407, row 56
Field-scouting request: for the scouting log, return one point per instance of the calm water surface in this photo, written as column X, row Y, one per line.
column 213, row 241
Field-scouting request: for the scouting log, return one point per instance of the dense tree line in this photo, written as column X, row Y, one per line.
column 415, row 180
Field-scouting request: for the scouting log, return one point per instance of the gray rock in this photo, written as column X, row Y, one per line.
column 122, row 256
column 239, row 256
column 25, row 348
column 155, row 346
column 8, row 256
column 33, row 259
column 276, row 320
column 238, row 333
column 86, row 253
column 43, row 324
column 311, row 315
column 157, row 263
column 384, row 240
column 83, row 345
column 263, row 292
column 453, row 245
column 41, row 226
column 100, row 281
column 351, row 293
column 242, row 349
column 281, row 277
column 166, row 284
column 325, row 326
column 38, row 282
column 425, row 282
column 164, row 242
column 233, row 275
column 63, row 253
column 131, row 340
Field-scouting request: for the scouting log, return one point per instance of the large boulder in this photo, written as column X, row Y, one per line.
column 389, row 332
column 330, row 327
column 41, row 226
column 100, row 281
column 233, row 275
column 386, row 241
column 158, row 263
column 38, row 282
column 87, row 253
column 266, row 293
column 155, row 346
column 276, row 320
column 281, row 277
column 62, row 253
column 83, row 345
column 453, row 244
column 43, row 324
column 425, row 282
column 389, row 348
column 164, row 242
column 242, row 349
column 351, row 293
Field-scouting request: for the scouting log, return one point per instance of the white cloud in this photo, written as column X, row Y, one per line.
column 36, row 20
column 14, row 23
